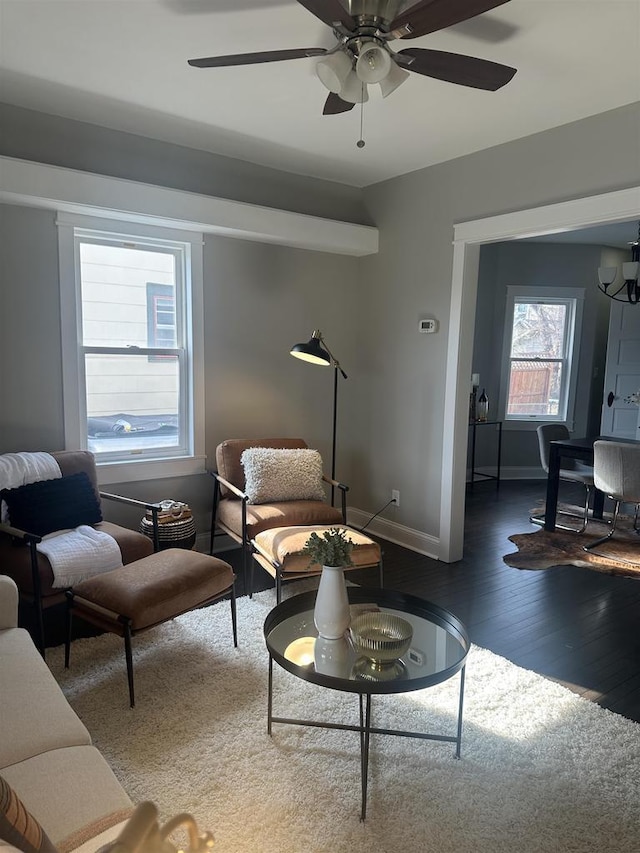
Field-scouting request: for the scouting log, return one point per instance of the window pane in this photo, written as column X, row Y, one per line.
column 538, row 330
column 132, row 402
column 115, row 296
column 534, row 389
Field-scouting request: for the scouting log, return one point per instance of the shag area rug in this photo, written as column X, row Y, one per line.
column 542, row 769
column 546, row 549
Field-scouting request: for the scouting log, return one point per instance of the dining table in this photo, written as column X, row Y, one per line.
column 572, row 448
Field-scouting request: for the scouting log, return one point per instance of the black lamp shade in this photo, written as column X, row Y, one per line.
column 312, row 351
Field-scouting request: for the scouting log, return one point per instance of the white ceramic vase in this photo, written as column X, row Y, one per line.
column 331, row 613
column 332, row 657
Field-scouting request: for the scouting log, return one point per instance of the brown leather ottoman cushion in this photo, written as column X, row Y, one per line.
column 283, row 546
column 158, row 587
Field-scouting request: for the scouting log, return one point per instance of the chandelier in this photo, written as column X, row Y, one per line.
column 629, row 290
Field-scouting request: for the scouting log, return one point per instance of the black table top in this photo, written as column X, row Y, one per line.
column 438, row 649
column 587, row 443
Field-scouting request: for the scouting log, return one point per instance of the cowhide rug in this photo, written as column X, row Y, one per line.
column 544, row 550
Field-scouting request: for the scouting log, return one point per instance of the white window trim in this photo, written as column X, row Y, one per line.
column 73, row 364
column 542, row 293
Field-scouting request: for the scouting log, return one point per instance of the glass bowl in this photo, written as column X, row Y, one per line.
column 382, row 638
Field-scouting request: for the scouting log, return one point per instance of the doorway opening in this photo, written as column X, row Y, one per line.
column 468, row 238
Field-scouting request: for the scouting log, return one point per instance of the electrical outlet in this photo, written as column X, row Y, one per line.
column 395, row 496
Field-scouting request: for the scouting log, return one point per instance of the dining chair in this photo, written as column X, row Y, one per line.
column 616, row 470
column 574, row 471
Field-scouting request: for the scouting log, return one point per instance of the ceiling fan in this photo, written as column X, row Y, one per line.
column 362, row 55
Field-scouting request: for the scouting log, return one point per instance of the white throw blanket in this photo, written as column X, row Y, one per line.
column 19, row 469
column 79, row 554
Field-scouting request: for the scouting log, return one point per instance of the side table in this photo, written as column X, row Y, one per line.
column 172, row 534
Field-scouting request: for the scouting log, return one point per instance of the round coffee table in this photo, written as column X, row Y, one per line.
column 438, row 651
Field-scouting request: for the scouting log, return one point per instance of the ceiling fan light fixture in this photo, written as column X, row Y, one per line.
column 333, row 70
column 373, row 64
column 394, row 78
column 354, row 90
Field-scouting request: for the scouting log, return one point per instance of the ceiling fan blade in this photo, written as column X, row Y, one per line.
column 429, row 16
column 455, row 68
column 334, row 105
column 254, row 58
column 330, row 12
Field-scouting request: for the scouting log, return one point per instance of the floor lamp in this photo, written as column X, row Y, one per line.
column 316, row 351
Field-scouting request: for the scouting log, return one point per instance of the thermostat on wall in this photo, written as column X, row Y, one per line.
column 428, row 326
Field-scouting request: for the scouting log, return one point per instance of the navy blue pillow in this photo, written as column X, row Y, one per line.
column 50, row 505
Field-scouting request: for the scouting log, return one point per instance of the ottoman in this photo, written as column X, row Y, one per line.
column 147, row 593
column 279, row 552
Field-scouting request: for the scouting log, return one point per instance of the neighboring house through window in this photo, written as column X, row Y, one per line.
column 132, row 349
column 540, row 354
column 161, row 316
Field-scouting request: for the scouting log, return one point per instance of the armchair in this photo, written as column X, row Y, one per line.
column 235, row 516
column 31, row 569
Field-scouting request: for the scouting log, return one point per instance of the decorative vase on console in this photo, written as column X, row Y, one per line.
column 483, row 407
column 332, row 551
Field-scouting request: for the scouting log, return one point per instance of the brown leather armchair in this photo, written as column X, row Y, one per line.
column 234, row 515
column 31, row 570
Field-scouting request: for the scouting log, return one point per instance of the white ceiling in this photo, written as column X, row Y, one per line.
column 619, row 235
column 123, row 64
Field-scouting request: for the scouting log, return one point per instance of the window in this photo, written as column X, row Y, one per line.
column 132, row 387
column 161, row 316
column 542, row 328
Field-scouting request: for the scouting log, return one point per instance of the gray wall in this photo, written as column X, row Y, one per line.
column 259, row 299
column 58, row 141
column 411, row 276
column 533, row 264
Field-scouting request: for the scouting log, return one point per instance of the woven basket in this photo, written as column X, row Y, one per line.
column 172, row 534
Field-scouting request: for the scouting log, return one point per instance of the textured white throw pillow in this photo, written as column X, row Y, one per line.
column 282, row 475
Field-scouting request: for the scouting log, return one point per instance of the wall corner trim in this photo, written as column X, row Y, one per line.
column 56, row 188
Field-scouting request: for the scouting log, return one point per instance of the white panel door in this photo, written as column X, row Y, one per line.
column 622, row 374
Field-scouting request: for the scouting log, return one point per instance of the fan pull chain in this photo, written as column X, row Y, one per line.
column 361, row 143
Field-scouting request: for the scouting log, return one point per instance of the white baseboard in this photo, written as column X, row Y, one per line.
column 415, row 540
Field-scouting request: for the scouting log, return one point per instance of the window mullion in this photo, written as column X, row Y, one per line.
column 133, row 350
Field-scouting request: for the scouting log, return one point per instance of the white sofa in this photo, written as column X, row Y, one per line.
column 46, row 754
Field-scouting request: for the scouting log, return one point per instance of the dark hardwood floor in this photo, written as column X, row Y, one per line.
column 575, row 626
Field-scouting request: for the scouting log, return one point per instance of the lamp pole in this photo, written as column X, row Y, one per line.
column 336, row 368
column 316, row 351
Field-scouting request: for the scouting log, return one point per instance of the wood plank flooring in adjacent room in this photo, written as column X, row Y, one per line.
column 575, row 626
